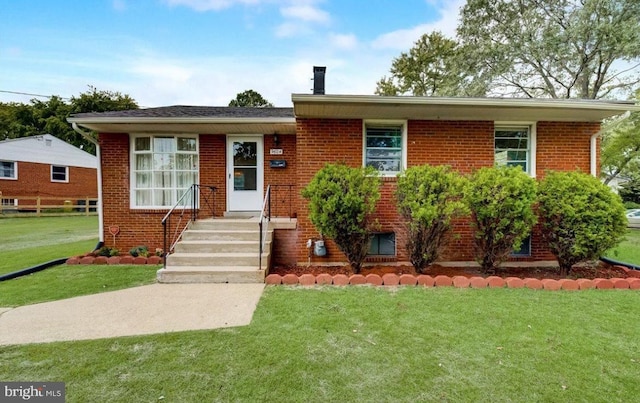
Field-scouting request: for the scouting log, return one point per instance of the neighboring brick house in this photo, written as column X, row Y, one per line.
column 150, row 155
column 47, row 167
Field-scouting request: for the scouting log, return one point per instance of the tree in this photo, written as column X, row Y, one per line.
column 582, row 218
column 630, row 191
column 250, row 99
column 434, row 66
column 554, row 48
column 342, row 201
column 621, row 146
column 429, row 197
column 50, row 116
column 501, row 202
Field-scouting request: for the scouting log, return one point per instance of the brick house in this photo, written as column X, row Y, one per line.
column 150, row 156
column 47, row 167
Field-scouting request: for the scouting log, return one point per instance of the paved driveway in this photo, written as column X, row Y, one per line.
column 157, row 308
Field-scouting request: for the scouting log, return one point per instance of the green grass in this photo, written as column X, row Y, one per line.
column 371, row 345
column 69, row 281
column 629, row 250
column 28, row 241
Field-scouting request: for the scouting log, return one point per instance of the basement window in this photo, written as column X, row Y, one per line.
column 383, row 244
column 525, row 248
column 59, row 173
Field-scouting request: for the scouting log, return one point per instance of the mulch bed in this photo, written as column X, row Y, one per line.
column 601, row 270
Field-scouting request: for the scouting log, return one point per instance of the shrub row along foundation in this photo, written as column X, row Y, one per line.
column 391, row 279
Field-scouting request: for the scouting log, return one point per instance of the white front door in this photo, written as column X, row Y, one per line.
column 245, row 174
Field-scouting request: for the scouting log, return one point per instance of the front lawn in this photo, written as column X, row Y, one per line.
column 70, row 281
column 371, row 345
column 629, row 250
column 28, row 241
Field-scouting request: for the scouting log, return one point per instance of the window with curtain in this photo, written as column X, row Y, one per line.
column 163, row 169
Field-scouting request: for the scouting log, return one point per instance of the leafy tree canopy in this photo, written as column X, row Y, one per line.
column 554, row 48
column 435, row 66
column 527, row 48
column 50, row 116
column 250, row 99
column 621, row 147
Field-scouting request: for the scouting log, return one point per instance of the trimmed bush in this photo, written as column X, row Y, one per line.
column 501, row 202
column 582, row 217
column 428, row 198
column 342, row 201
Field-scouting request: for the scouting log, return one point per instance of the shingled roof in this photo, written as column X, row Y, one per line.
column 185, row 111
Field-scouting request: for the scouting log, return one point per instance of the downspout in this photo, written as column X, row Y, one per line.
column 89, row 137
column 594, row 153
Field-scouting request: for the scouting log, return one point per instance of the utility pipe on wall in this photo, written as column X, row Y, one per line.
column 594, row 153
column 89, row 137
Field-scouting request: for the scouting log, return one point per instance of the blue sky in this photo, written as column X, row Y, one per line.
column 204, row 52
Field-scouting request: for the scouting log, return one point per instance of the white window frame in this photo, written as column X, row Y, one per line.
column 133, row 171
column 15, row 171
column 532, row 142
column 66, row 174
column 386, row 123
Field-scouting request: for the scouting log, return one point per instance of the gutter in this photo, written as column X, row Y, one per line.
column 89, row 137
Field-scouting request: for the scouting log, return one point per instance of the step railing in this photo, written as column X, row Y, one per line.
column 185, row 211
column 265, row 215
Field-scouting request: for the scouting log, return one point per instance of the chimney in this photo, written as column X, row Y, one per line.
column 318, row 80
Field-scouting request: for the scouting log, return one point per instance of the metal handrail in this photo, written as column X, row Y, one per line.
column 266, row 208
column 193, row 192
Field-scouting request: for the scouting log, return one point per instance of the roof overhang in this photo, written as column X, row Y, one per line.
column 200, row 125
column 433, row 108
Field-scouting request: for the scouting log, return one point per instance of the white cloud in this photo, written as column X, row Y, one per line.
column 208, row 5
column 404, row 39
column 343, row 41
column 305, row 12
column 291, row 29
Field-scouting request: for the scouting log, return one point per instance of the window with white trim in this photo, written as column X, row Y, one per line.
column 163, row 168
column 385, row 146
column 8, row 170
column 59, row 173
column 513, row 146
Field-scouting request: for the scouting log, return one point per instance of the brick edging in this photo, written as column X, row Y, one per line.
column 390, row 279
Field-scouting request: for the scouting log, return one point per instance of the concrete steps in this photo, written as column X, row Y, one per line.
column 219, row 251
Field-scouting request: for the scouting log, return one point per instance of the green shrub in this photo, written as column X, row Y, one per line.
column 582, row 217
column 500, row 200
column 142, row 251
column 428, row 198
column 631, row 205
column 342, row 201
column 107, row 251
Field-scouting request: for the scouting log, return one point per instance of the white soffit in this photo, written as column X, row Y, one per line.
column 431, row 108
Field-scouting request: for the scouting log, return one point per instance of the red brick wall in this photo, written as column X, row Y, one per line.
column 466, row 146
column 144, row 226
column 283, row 201
column 35, row 180
column 564, row 146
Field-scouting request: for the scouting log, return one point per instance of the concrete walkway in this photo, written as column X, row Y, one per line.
column 157, row 308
